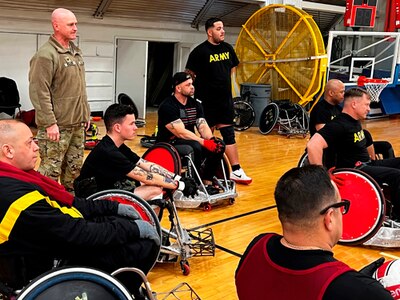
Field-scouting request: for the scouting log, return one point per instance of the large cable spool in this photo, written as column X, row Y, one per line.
column 282, row 45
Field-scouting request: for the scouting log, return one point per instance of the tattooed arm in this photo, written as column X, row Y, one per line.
column 203, row 128
column 178, row 129
column 150, row 178
column 154, row 168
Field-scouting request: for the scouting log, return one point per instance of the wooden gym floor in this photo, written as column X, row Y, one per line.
column 265, row 158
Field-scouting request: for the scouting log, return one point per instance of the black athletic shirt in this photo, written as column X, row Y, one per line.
column 171, row 110
column 212, row 65
column 322, row 113
column 346, row 136
column 108, row 163
column 351, row 285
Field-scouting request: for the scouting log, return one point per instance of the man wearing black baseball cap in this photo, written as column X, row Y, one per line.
column 178, row 117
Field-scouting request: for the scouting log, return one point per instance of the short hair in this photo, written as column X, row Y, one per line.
column 115, row 113
column 301, row 193
column 210, row 22
column 355, row 93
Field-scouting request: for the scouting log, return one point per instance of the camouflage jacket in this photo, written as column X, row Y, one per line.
column 57, row 85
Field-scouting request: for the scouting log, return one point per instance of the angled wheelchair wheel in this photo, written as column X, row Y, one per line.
column 75, row 283
column 126, row 100
column 141, row 206
column 302, row 117
column 303, row 161
column 367, row 206
column 244, row 115
column 164, row 155
column 269, row 118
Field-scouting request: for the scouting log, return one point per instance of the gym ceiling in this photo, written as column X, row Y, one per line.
column 326, row 13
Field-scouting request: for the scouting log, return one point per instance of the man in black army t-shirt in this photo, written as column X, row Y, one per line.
column 345, row 136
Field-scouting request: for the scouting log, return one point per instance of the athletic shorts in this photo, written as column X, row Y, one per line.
column 218, row 112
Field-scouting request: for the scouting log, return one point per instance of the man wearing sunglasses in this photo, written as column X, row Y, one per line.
column 300, row 264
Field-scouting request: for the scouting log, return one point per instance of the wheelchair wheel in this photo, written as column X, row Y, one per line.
column 367, row 206
column 75, row 283
column 164, row 155
column 269, row 118
column 126, row 100
column 141, row 206
column 226, row 167
column 303, row 161
column 244, row 115
column 303, row 117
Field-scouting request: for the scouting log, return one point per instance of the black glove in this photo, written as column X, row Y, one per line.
column 220, row 145
column 188, row 187
column 147, row 231
column 127, row 210
column 372, row 267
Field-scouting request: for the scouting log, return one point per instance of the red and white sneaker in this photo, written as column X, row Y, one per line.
column 239, row 176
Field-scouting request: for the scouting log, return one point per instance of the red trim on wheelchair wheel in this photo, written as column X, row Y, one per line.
column 367, row 206
column 164, row 155
column 142, row 212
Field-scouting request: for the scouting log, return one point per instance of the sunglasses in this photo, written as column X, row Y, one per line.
column 344, row 205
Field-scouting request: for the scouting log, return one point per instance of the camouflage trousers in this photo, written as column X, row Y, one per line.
column 62, row 160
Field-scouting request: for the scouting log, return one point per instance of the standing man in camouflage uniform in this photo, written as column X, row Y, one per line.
column 57, row 89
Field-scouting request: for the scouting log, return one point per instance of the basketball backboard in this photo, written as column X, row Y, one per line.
column 359, row 53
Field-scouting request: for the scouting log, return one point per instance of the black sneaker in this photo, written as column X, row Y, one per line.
column 212, row 190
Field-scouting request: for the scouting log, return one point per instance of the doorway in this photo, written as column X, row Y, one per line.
column 159, row 72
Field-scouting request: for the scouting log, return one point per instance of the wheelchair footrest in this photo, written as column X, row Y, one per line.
column 388, row 235
column 203, row 243
column 182, row 291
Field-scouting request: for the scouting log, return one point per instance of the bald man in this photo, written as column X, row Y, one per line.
column 57, row 89
column 41, row 221
column 329, row 107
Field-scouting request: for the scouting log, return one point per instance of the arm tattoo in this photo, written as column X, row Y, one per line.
column 139, row 172
column 168, row 180
column 159, row 170
column 140, row 161
column 200, row 121
column 175, row 122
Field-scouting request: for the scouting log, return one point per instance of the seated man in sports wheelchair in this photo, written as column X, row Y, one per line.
column 178, row 117
column 345, row 136
column 113, row 165
column 41, row 222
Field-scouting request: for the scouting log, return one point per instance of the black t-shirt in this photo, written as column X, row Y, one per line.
column 322, row 113
column 345, row 136
column 171, row 110
column 350, row 285
column 212, row 65
column 108, row 163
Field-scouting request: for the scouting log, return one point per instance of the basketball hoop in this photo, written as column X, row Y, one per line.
column 373, row 86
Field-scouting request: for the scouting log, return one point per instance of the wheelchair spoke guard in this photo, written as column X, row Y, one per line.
column 244, row 115
column 269, row 118
column 367, row 206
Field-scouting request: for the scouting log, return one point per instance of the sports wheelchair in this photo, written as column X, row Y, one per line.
column 168, row 157
column 369, row 220
column 80, row 282
column 83, row 283
column 290, row 118
column 177, row 242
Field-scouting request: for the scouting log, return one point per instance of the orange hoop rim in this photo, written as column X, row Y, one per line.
column 362, row 80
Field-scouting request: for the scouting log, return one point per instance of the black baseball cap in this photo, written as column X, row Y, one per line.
column 180, row 77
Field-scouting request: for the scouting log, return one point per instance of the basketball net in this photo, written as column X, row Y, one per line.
column 373, row 86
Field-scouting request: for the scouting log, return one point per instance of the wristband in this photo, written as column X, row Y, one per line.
column 177, row 177
column 181, row 186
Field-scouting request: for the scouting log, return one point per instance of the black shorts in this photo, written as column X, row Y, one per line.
column 218, row 111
